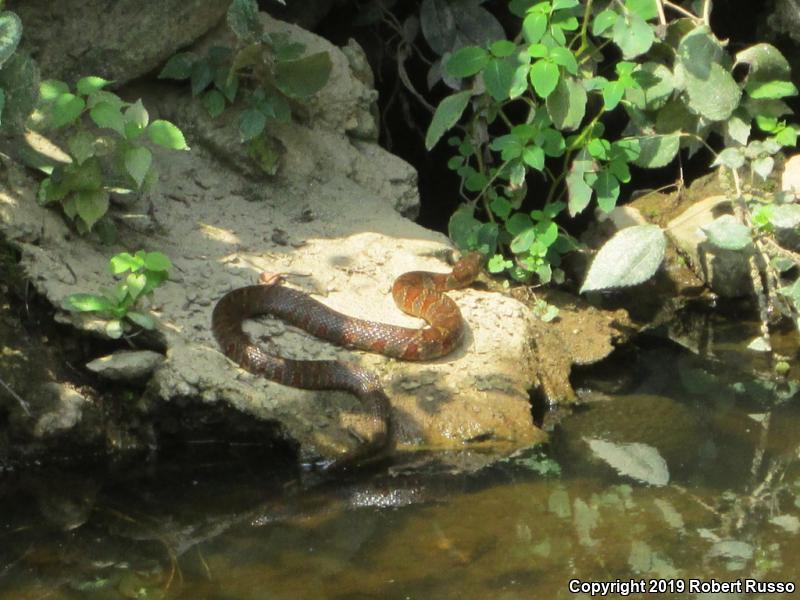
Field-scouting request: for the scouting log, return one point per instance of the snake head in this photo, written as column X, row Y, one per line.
column 467, row 268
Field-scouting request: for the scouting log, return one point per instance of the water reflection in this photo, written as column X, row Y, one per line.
column 727, row 436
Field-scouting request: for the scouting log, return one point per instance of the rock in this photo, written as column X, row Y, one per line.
column 790, row 180
column 726, row 272
column 126, row 365
column 59, row 409
column 119, row 41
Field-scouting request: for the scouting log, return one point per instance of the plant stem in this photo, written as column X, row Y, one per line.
column 662, row 18
column 681, row 10
column 25, row 407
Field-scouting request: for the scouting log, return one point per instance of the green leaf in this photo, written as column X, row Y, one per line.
column 733, row 158
column 544, row 77
column 107, row 116
column 646, row 9
column 715, row 97
column 167, row 135
column 214, row 102
column 251, row 123
column 503, row 48
column 501, row 207
column 562, row 56
column 447, row 114
column 91, row 84
column 498, row 264
column 50, row 89
column 136, row 283
column 656, row 85
column 533, row 156
column 786, row 216
column 463, row 227
column 607, row 188
column 728, row 233
column 91, row 205
column 630, row 257
column 523, row 241
column 534, row 27
column 66, row 109
column 124, row 261
column 604, row 21
column 633, row 35
column 564, row 4
column 81, row 146
column 202, row 76
column 178, row 67
column 142, row 320
column 612, row 94
column 243, row 19
column 498, row 76
column 137, row 162
column 656, row 150
column 86, row 303
column 305, row 76
column 579, row 193
column 10, row 34
column 466, row 62
column 772, row 89
column 518, row 223
column 766, row 66
column 567, row 104
column 137, row 114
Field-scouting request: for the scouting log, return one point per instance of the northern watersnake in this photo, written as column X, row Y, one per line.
column 417, row 293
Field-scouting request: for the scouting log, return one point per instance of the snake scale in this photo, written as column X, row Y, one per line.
column 417, row 293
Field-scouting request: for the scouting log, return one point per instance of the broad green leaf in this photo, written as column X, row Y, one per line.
column 214, row 103
column 91, row 205
column 767, row 66
column 607, row 188
column 633, row 35
column 466, row 61
column 646, row 9
column 91, row 84
column 81, row 146
column 733, row 158
column 167, row 135
column 503, row 48
column 305, row 76
column 498, row 76
column 114, row 329
column 579, row 193
column 243, row 19
column 563, row 4
column 738, row 127
column 447, row 114
column 463, row 227
column 533, row 156
column 656, row 85
column 656, row 150
column 612, row 94
column 50, row 89
column 137, row 162
column 544, row 77
column 438, row 25
column 523, row 241
column 86, row 303
column 675, row 117
column 137, row 114
column 698, row 51
column 562, row 56
column 124, row 261
column 135, row 283
column 567, row 104
column 630, row 257
column 178, row 67
column 10, row 34
column 715, row 97
column 202, row 76
column 142, row 320
column 604, row 21
column 534, row 27
column 763, row 166
column 772, row 90
column 107, row 116
column 501, row 207
column 66, row 109
column 728, row 233
column 786, row 216
column 518, row 223
column 251, row 123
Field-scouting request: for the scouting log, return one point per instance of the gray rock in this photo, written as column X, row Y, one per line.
column 726, row 272
column 59, row 409
column 119, row 40
column 126, row 365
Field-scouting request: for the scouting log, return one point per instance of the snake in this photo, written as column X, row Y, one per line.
column 417, row 293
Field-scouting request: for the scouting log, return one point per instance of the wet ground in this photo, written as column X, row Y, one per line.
column 679, row 469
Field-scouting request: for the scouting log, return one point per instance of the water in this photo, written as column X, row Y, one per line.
column 709, row 490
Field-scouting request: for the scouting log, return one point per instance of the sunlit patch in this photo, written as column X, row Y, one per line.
column 218, row 234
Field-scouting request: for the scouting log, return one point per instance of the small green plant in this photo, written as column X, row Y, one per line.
column 267, row 72
column 146, row 271
column 533, row 109
column 106, row 141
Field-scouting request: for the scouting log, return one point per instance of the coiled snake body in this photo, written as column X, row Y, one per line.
column 417, row 293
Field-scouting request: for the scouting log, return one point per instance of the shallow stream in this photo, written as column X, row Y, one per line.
column 680, row 470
